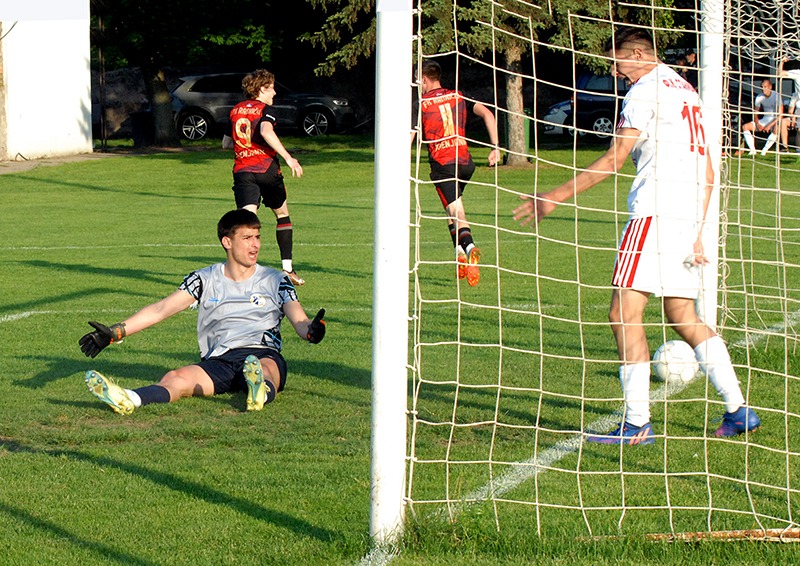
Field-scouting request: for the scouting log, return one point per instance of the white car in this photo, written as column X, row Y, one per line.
column 558, row 119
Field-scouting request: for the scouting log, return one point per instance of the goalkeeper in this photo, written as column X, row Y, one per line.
column 240, row 307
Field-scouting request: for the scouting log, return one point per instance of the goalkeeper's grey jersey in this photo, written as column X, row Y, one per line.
column 244, row 314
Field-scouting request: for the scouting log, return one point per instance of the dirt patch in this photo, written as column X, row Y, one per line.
column 21, row 164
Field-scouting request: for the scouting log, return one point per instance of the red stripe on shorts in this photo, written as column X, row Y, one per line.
column 630, row 252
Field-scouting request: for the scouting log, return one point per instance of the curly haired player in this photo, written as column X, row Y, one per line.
column 256, row 173
column 240, row 308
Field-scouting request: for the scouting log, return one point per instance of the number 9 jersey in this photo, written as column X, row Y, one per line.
column 252, row 153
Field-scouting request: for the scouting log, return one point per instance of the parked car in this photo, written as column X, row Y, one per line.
column 202, row 103
column 558, row 119
column 593, row 108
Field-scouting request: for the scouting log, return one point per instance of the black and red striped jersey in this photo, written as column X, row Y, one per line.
column 252, row 153
column 444, row 117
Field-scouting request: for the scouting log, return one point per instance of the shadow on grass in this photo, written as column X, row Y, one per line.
column 137, row 275
column 193, row 197
column 49, row 301
column 108, row 553
column 175, row 483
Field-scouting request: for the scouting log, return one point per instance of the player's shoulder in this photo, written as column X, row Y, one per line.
column 269, row 275
column 208, row 271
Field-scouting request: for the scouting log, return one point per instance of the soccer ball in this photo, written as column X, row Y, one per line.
column 675, row 362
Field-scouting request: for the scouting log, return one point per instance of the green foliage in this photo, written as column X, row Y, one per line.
column 582, row 26
column 509, row 27
column 346, row 36
column 252, row 37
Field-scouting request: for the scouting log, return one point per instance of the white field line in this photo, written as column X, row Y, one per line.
column 26, row 314
column 121, row 246
column 21, row 315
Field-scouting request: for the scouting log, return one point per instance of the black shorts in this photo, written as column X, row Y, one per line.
column 444, row 179
column 252, row 188
column 225, row 371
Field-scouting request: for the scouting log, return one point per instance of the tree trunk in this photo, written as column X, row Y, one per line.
column 517, row 123
column 163, row 123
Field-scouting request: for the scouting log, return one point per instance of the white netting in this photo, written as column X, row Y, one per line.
column 509, row 374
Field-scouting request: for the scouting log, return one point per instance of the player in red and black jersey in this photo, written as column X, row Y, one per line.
column 256, row 173
column 443, row 117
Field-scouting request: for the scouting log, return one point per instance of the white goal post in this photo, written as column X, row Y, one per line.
column 390, row 270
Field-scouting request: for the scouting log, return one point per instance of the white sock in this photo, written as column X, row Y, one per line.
column 133, row 396
column 287, row 265
column 635, row 381
column 770, row 142
column 749, row 140
column 715, row 362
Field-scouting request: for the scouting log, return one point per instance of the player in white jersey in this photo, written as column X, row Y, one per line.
column 240, row 308
column 661, row 249
column 791, row 70
column 767, row 111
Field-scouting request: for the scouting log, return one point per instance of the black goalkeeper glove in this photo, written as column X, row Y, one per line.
column 316, row 330
column 94, row 342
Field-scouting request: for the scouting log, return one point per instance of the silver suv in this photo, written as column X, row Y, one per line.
column 202, row 103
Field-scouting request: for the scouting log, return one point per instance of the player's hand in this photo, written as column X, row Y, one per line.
column 494, row 157
column 294, row 165
column 698, row 256
column 533, row 209
column 94, row 342
column 316, row 330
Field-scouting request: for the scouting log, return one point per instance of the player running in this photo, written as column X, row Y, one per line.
column 661, row 248
column 444, row 116
column 256, row 173
column 240, row 308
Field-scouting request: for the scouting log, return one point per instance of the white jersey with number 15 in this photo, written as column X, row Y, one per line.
column 670, row 152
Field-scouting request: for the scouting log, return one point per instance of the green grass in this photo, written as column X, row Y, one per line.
column 203, row 482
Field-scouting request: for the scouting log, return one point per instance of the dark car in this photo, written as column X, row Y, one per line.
column 593, row 108
column 596, row 103
column 202, row 103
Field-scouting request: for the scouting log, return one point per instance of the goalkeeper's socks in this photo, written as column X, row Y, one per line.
column 148, row 395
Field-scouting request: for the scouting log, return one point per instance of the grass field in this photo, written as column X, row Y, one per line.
column 204, row 482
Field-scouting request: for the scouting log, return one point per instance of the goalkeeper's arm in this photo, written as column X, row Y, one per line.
column 94, row 342
column 311, row 330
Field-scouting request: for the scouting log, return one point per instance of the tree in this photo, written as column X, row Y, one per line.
column 352, row 16
column 516, row 25
column 151, row 35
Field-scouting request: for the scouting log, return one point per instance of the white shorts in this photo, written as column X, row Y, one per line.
column 764, row 121
column 655, row 257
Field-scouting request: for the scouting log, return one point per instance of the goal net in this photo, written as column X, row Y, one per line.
column 509, row 376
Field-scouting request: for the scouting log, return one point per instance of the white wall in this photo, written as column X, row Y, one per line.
column 46, row 78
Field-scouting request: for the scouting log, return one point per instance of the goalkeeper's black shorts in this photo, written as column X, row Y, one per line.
column 225, row 371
